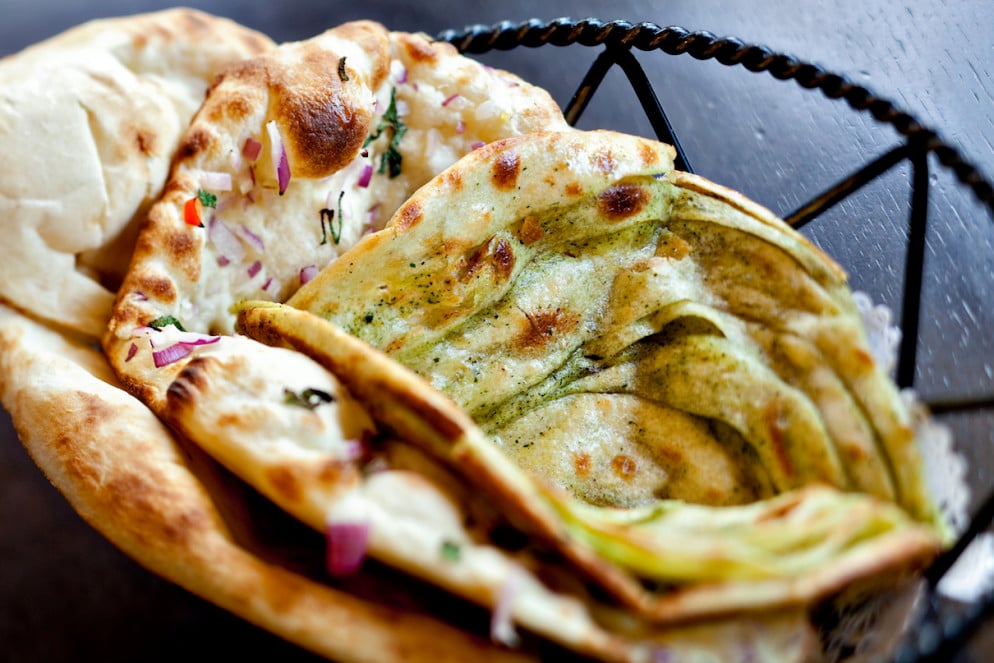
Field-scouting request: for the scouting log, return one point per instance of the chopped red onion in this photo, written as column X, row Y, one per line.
column 140, row 296
column 132, row 351
column 251, row 149
column 662, row 654
column 477, row 145
column 308, row 273
column 281, row 165
column 223, row 261
column 374, row 217
column 215, row 181
column 347, row 543
column 501, row 619
column 254, row 240
column 450, row 99
column 224, row 240
column 269, row 282
column 178, row 344
column 460, row 127
column 403, row 76
column 365, row 176
column 194, row 340
column 171, row 354
column 353, row 450
column 254, row 269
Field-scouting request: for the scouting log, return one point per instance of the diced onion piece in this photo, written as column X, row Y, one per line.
column 358, row 449
column 661, row 654
column 450, row 99
column 374, row 216
column 132, row 351
column 403, row 76
column 223, row 261
column 254, row 269
column 251, row 238
column 477, row 145
column 281, row 165
column 308, row 273
column 501, row 619
column 171, row 354
column 460, row 127
column 195, row 340
column 347, row 542
column 365, row 176
column 251, row 149
column 225, row 241
column 213, row 180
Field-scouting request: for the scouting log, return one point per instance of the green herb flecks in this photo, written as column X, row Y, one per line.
column 328, row 222
column 206, row 199
column 308, row 398
column 391, row 158
column 165, row 321
column 451, row 550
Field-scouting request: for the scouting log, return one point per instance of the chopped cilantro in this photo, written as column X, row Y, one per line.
column 341, row 218
column 165, row 321
column 308, row 398
column 328, row 217
column 451, row 550
column 391, row 157
column 206, row 199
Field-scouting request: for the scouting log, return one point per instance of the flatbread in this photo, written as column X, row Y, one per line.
column 559, row 282
column 89, row 122
column 659, row 293
column 127, row 476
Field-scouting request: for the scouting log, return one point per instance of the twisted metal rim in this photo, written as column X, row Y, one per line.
column 938, row 637
column 674, row 40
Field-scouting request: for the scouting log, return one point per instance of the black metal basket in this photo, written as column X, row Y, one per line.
column 941, row 631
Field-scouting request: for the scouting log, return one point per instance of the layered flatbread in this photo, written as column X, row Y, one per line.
column 608, row 283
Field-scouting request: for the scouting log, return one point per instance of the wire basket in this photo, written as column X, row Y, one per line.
column 939, row 628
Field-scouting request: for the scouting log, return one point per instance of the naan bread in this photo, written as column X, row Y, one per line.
column 89, row 122
column 125, row 474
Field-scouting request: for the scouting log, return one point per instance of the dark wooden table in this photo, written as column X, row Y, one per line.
column 67, row 595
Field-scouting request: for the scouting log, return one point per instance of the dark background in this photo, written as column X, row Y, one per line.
column 66, row 594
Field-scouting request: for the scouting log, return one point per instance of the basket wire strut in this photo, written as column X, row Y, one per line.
column 936, row 638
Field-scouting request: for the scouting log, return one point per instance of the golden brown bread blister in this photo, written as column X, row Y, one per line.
column 89, row 124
